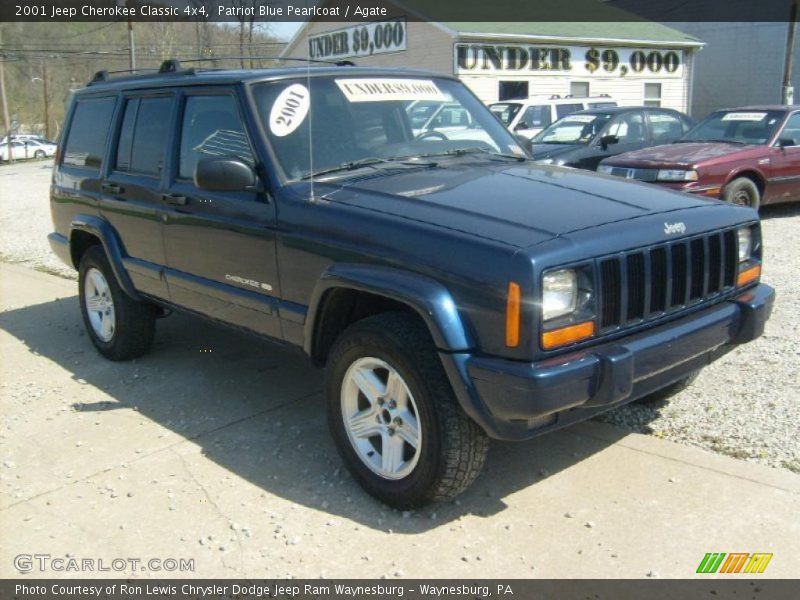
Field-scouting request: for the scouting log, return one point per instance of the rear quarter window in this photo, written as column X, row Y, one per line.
column 86, row 141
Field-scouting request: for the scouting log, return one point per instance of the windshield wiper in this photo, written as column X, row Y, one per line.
column 712, row 141
column 365, row 162
column 473, row 150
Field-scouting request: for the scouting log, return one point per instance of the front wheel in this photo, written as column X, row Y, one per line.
column 742, row 192
column 393, row 415
column 39, row 154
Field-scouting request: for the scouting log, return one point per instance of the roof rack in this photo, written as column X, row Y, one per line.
column 174, row 66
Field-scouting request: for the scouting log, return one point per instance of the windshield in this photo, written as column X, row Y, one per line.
column 505, row 111
column 573, row 129
column 323, row 123
column 736, row 126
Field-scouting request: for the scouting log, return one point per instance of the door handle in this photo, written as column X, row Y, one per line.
column 111, row 188
column 175, row 199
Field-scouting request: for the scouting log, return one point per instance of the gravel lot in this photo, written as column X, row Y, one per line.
column 744, row 405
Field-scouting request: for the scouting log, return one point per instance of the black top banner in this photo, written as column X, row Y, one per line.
column 664, row 11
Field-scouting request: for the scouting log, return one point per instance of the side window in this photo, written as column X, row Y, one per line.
column 628, row 128
column 144, row 134
column 665, row 127
column 86, row 140
column 537, row 117
column 791, row 130
column 562, row 110
column 211, row 127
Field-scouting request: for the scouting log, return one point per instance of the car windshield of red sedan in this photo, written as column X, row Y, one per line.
column 737, row 127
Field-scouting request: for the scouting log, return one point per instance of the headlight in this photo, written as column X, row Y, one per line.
column 559, row 293
column 676, row 175
column 745, row 244
column 605, row 169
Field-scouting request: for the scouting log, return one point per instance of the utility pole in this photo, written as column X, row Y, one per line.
column 3, row 97
column 788, row 90
column 131, row 43
column 46, row 102
column 132, row 46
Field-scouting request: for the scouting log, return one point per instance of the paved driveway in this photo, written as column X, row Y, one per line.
column 214, row 448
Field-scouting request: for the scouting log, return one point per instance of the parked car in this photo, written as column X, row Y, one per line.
column 443, row 121
column 453, row 289
column 748, row 156
column 23, row 137
column 28, row 148
column 584, row 138
column 529, row 117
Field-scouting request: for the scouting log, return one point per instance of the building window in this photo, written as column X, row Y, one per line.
column 512, row 90
column 579, row 89
column 652, row 94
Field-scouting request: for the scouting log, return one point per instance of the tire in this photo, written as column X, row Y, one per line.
column 450, row 448
column 664, row 394
column 39, row 154
column 120, row 328
column 742, row 192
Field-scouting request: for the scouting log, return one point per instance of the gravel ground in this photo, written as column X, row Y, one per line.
column 744, row 405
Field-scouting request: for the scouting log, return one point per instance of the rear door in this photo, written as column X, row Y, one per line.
column 784, row 180
column 220, row 246
column 132, row 189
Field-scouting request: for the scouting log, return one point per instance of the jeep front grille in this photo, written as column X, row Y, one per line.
column 648, row 283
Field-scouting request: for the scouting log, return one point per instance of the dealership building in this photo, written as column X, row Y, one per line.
column 636, row 63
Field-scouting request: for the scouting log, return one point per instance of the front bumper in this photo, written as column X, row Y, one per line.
column 515, row 401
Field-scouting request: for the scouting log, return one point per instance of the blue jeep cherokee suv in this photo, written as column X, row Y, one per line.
column 454, row 290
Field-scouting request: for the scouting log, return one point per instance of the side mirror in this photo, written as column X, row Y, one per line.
column 526, row 144
column 224, row 174
column 786, row 143
column 521, row 125
column 607, row 140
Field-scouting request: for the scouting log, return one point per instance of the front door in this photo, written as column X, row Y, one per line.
column 220, row 246
column 631, row 133
column 784, row 179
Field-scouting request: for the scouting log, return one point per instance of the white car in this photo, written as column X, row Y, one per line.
column 24, row 149
column 529, row 117
column 23, row 137
column 443, row 120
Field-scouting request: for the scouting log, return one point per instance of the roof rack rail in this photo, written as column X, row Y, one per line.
column 104, row 75
column 174, row 66
column 338, row 63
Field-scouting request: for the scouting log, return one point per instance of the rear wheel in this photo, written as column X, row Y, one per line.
column 742, row 192
column 393, row 415
column 119, row 327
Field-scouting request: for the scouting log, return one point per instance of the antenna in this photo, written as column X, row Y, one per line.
column 310, row 113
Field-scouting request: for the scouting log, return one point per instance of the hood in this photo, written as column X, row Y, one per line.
column 677, row 155
column 512, row 203
column 541, row 151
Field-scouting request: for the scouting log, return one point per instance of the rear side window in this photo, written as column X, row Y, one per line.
column 537, row 117
column 143, row 137
column 86, row 141
column 211, row 127
column 562, row 110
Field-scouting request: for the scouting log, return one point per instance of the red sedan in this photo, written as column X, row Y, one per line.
column 748, row 156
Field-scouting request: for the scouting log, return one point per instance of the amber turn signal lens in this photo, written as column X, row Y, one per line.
column 567, row 335
column 512, row 315
column 748, row 275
